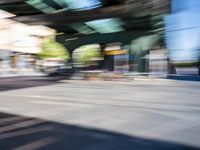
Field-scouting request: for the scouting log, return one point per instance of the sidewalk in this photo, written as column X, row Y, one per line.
column 131, row 76
column 95, row 76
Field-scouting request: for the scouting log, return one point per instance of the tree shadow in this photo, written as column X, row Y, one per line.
column 24, row 133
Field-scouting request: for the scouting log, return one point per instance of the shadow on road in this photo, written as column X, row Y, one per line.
column 23, row 133
column 12, row 83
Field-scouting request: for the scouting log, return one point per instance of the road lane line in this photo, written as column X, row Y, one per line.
column 37, row 144
column 4, row 108
column 11, row 119
column 20, row 125
column 24, row 132
column 63, row 103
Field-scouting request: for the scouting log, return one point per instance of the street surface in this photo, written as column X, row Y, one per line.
column 53, row 114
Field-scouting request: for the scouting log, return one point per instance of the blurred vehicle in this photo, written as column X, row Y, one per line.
column 55, row 67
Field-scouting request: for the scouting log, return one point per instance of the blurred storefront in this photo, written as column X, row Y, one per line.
column 116, row 59
column 158, row 61
column 142, row 48
column 19, row 45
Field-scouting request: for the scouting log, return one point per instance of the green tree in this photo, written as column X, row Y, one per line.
column 87, row 54
column 52, row 49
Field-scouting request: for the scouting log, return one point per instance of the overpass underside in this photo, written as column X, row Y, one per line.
column 83, row 22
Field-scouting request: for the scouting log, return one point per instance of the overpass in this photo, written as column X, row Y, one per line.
column 90, row 21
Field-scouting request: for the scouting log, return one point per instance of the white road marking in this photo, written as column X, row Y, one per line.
column 4, row 108
column 37, row 144
column 33, row 96
column 62, row 103
column 20, row 125
column 25, row 132
column 10, row 119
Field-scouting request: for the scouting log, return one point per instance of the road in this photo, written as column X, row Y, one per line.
column 50, row 114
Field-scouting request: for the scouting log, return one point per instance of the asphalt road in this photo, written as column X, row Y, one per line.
column 46, row 113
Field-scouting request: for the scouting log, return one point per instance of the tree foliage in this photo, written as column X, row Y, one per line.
column 52, row 49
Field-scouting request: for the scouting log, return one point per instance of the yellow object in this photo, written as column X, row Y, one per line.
column 116, row 52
